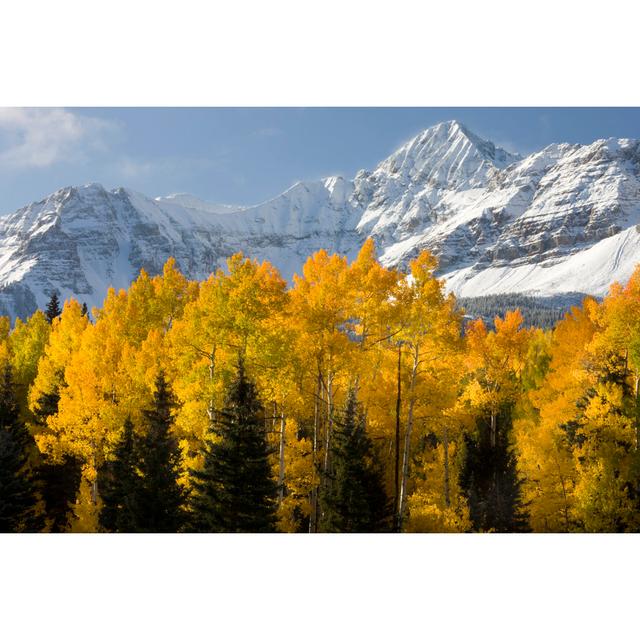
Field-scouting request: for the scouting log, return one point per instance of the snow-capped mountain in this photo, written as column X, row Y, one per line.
column 563, row 220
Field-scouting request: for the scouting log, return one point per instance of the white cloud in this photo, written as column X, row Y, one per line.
column 37, row 138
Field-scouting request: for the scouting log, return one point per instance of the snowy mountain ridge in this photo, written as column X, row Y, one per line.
column 561, row 220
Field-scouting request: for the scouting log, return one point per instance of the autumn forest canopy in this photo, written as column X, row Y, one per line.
column 358, row 399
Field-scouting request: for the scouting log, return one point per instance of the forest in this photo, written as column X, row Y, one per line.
column 536, row 312
column 355, row 399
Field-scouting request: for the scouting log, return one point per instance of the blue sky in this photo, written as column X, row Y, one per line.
column 247, row 155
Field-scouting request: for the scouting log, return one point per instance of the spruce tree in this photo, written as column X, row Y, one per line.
column 59, row 482
column 489, row 479
column 53, row 307
column 85, row 309
column 18, row 499
column 235, row 490
column 118, row 481
column 353, row 498
column 158, row 500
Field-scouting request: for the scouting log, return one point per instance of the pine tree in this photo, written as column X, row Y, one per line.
column 53, row 308
column 117, row 483
column 18, row 500
column 159, row 499
column 490, row 480
column 59, row 482
column 353, row 498
column 235, row 491
column 85, row 309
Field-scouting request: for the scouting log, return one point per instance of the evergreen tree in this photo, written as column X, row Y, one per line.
column 490, row 481
column 85, row 309
column 235, row 490
column 18, row 500
column 59, row 485
column 353, row 498
column 158, row 500
column 117, row 483
column 53, row 307
column 58, row 482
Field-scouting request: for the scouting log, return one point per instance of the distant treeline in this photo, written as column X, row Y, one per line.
column 543, row 312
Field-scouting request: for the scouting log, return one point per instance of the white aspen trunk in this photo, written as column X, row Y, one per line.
column 396, row 478
column 281, row 460
column 445, row 443
column 565, row 510
column 212, row 364
column 407, row 438
column 636, row 389
column 313, row 517
column 94, row 483
column 329, row 429
column 493, row 428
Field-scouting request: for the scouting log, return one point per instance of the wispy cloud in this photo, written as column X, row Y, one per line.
column 38, row 138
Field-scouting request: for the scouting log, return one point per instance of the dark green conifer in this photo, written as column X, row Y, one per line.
column 489, row 479
column 159, row 498
column 235, row 490
column 118, row 481
column 353, row 498
column 53, row 307
column 58, row 481
column 59, row 484
column 18, row 498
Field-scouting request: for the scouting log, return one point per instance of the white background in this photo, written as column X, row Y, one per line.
column 543, row 53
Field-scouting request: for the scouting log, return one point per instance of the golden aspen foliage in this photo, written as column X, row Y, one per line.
column 430, row 341
column 235, row 314
column 436, row 504
column 607, row 464
column 397, row 339
column 294, row 507
column 319, row 304
column 64, row 340
column 545, row 460
column 319, row 311
column 27, row 343
column 545, row 435
column 108, row 374
column 580, row 454
column 86, row 510
column 374, row 324
column 495, row 360
column 5, row 328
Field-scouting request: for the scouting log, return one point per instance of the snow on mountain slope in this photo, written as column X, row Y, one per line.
column 562, row 220
column 81, row 240
column 191, row 202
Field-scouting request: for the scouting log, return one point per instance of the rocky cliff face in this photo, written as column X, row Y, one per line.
column 561, row 220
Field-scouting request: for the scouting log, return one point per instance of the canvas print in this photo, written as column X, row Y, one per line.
column 319, row 320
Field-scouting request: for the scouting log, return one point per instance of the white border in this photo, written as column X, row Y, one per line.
column 320, row 53
column 325, row 587
column 329, row 53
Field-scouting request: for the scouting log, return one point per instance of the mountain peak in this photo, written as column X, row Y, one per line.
column 455, row 133
column 449, row 128
column 446, row 155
